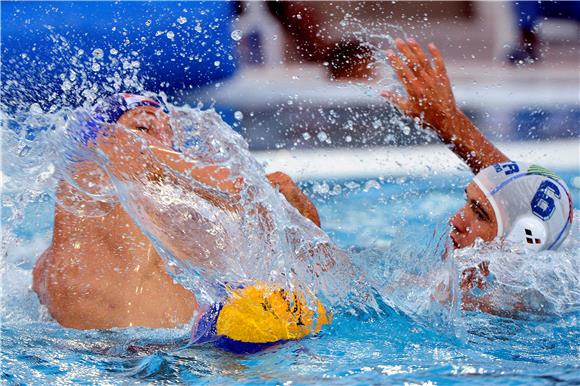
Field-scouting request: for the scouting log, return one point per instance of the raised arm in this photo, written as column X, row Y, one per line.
column 430, row 98
column 128, row 157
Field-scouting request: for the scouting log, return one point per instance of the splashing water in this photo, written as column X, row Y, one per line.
column 37, row 157
column 205, row 241
column 263, row 239
column 397, row 278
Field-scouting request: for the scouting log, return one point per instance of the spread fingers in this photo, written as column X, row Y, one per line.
column 410, row 59
column 403, row 72
column 422, row 60
column 439, row 62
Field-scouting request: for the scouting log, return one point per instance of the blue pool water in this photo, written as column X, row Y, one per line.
column 388, row 227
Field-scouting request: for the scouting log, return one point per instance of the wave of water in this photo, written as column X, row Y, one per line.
column 263, row 239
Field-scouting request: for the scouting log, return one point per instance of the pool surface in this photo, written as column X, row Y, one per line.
column 388, row 227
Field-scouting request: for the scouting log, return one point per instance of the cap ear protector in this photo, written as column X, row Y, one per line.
column 530, row 231
column 532, row 205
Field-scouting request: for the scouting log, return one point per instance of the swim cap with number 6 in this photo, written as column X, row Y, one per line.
column 532, row 204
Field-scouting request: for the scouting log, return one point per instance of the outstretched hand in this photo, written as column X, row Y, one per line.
column 430, row 96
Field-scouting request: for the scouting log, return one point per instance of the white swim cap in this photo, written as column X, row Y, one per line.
column 532, row 205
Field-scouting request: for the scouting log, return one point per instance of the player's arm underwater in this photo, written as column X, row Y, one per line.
column 430, row 98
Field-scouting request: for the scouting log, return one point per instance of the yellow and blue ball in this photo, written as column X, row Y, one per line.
column 260, row 316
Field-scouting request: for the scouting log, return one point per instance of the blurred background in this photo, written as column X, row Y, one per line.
column 305, row 76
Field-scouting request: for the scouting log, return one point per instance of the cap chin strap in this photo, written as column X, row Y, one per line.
column 491, row 200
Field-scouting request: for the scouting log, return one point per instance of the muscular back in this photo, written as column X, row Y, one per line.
column 102, row 272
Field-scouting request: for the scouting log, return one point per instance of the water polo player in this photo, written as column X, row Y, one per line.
column 507, row 201
column 102, row 271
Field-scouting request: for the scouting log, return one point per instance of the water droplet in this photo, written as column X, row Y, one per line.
column 348, row 138
column 321, row 188
column 35, row 108
column 113, row 51
column 148, row 22
column 197, row 28
column 216, row 63
column 239, row 115
column 406, row 130
column 322, row 136
column 135, row 64
column 371, row 184
column 352, row 185
column 236, row 35
column 98, row 53
column 96, row 67
column 66, row 85
column 170, row 35
column 24, row 151
column 306, row 136
column 390, row 138
column 182, row 20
